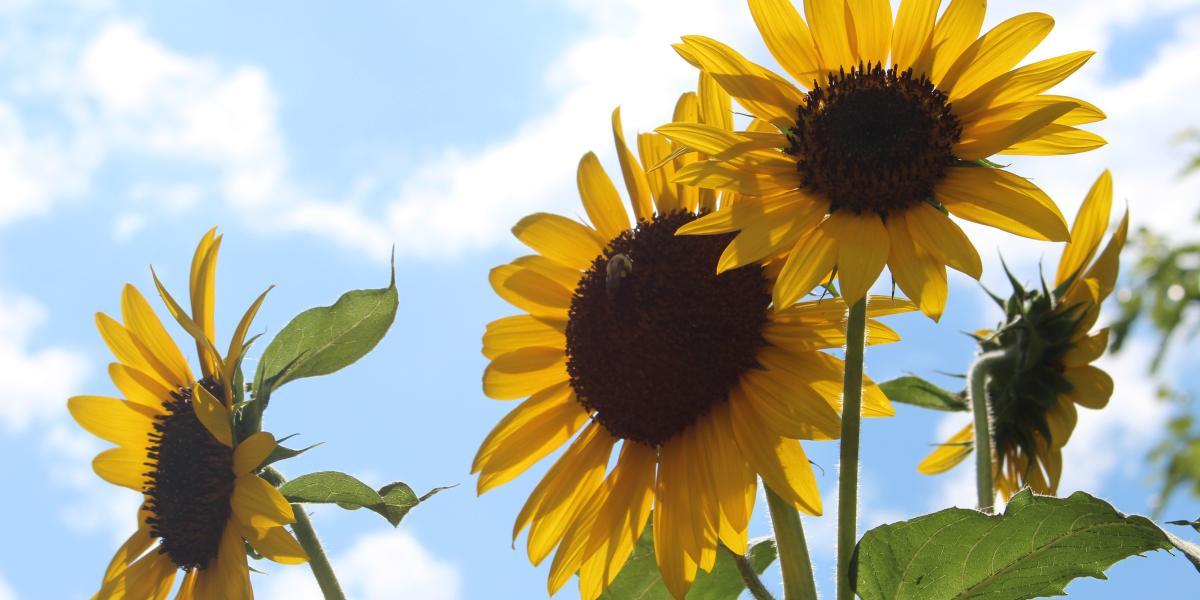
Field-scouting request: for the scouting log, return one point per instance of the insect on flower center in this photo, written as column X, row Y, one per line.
column 656, row 337
column 190, row 483
column 873, row 140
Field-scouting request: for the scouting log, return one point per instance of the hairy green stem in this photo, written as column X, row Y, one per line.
column 750, row 578
column 977, row 379
column 856, row 327
column 307, row 536
column 794, row 562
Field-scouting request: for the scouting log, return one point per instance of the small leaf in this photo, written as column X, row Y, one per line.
column 326, row 339
column 639, row 578
column 392, row 501
column 1034, row 549
column 913, row 390
column 330, row 487
column 283, row 453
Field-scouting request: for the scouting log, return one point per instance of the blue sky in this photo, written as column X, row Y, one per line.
column 317, row 138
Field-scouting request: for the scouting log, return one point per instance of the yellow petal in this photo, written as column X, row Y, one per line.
column 769, row 234
column 959, row 26
column 277, row 544
column 655, row 151
column 213, row 414
column 237, row 343
column 760, row 91
column 716, row 108
column 209, row 357
column 687, row 110
column 120, row 342
column 1061, row 417
column 1056, row 140
column 134, row 547
column 788, row 39
column 560, row 238
column 257, row 504
column 725, row 176
column 1019, row 84
column 948, row 455
column 723, row 144
column 913, row 31
column 831, row 33
column 1000, row 199
column 202, row 286
column 937, row 234
column 570, row 556
column 1104, row 270
column 872, row 29
column 1086, row 349
column 635, row 177
column 810, row 262
column 152, row 339
column 138, row 387
column 522, row 372
column 982, row 141
column 537, row 427
column 600, row 198
column 530, row 291
column 1088, row 229
column 673, row 539
column 229, row 577
column 995, row 52
column 148, row 578
column 252, row 451
column 125, row 467
column 780, row 461
column 790, row 412
column 1091, row 387
column 862, row 242
column 523, row 331
column 919, row 275
column 561, row 494
column 117, row 421
column 733, row 481
column 624, row 515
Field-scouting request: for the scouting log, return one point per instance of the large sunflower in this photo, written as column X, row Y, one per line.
column 175, row 445
column 1047, row 335
column 631, row 338
column 887, row 134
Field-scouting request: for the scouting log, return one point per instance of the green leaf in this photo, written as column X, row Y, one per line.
column 639, row 578
column 322, row 340
column 283, row 453
column 1034, row 549
column 392, row 501
column 913, row 390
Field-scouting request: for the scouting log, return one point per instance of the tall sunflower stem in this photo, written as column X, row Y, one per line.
column 977, row 379
column 794, row 562
column 856, row 327
column 307, row 536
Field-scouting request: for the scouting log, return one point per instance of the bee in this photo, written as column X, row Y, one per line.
column 619, row 267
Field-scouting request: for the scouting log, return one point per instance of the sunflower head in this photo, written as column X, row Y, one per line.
column 884, row 133
column 202, row 499
column 1047, row 338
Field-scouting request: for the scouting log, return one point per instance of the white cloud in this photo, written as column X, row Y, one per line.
column 34, row 382
column 6, row 591
column 379, row 566
column 128, row 225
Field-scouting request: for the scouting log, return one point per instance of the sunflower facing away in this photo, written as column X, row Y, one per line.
column 175, row 446
column 1032, row 402
column 632, row 339
column 887, row 134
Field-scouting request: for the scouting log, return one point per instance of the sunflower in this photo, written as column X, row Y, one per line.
column 175, row 445
column 888, row 134
column 1048, row 334
column 630, row 338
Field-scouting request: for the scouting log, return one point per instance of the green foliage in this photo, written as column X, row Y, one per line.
column 282, row 452
column 1178, row 457
column 1161, row 287
column 913, row 390
column 1034, row 549
column 639, row 579
column 322, row 340
column 392, row 501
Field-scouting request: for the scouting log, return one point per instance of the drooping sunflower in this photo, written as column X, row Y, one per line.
column 1047, row 335
column 630, row 338
column 203, row 501
column 886, row 136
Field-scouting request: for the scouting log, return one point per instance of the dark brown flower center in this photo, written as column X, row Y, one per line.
column 656, row 337
column 873, row 140
column 190, row 484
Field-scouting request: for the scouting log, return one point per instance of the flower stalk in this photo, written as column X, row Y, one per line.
column 856, row 326
column 307, row 536
column 794, row 562
column 978, row 377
